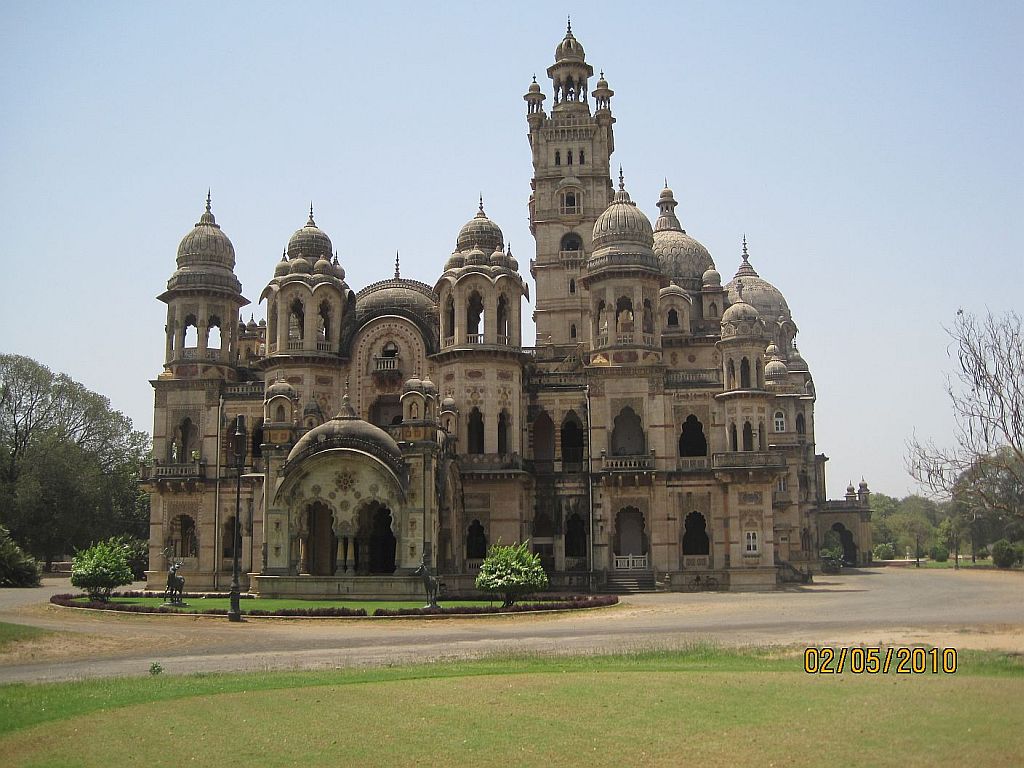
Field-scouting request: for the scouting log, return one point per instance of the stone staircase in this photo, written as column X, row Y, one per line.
column 630, row 582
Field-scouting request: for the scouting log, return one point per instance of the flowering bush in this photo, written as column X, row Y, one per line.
column 100, row 568
column 511, row 571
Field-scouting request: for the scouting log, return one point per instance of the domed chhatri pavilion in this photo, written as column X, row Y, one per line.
column 661, row 430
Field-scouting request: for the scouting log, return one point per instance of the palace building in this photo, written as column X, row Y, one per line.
column 661, row 430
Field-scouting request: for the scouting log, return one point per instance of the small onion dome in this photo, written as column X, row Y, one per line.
column 602, row 83
column 480, row 232
column 849, row 489
column 282, row 267
column 513, row 262
column 281, row 387
column 712, row 279
column 623, row 222
column 569, row 49
column 339, row 271
column 429, row 387
column 263, row 322
column 498, row 258
column 476, row 258
column 534, row 87
column 796, row 361
column 206, row 244
column 323, row 267
column 775, row 370
column 455, row 261
column 862, row 485
column 309, row 242
column 772, row 351
column 681, row 257
column 740, row 312
column 252, row 323
column 448, row 404
column 299, row 266
column 413, row 385
column 344, row 427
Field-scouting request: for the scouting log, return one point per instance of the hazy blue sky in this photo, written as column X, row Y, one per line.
column 872, row 153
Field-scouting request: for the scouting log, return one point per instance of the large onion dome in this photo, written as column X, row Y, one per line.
column 206, row 244
column 569, row 49
column 757, row 291
column 346, row 430
column 622, row 223
column 480, row 232
column 310, row 243
column 682, row 258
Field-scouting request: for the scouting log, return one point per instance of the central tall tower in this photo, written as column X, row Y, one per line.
column 571, row 186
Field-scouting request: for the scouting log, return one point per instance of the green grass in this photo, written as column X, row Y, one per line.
column 275, row 604
column 715, row 707
column 16, row 633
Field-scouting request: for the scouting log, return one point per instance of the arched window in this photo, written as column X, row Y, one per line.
column 648, row 322
column 568, row 157
column 558, row 157
column 730, row 375
column 570, row 203
column 449, row 318
column 213, row 340
column 503, row 430
column 583, row 158
column 543, row 441
column 692, row 441
column 227, row 532
column 624, row 315
column 280, row 416
column 296, row 320
column 572, row 285
column 572, row 331
column 780, row 421
column 575, row 536
column 628, row 434
column 572, row 439
column 475, row 316
column 324, row 331
column 257, row 439
column 476, row 541
column 185, row 442
column 748, row 437
column 733, row 443
column 502, row 319
column 762, row 437
column 801, row 426
column 475, row 425
column 390, row 349
column 744, row 373
column 190, row 333
column 571, row 242
column 713, row 310
column 695, row 535
column 673, row 319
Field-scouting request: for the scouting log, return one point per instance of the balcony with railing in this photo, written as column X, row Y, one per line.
column 385, row 364
column 692, row 463
column 640, row 463
column 698, row 378
column 193, row 470
column 749, row 459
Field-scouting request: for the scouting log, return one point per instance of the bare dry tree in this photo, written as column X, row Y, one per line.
column 985, row 466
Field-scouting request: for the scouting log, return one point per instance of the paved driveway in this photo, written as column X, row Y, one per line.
column 961, row 609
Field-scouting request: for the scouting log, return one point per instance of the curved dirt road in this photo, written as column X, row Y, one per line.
column 960, row 609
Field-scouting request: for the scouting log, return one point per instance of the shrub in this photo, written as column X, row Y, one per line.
column 884, row 552
column 1004, row 554
column 17, row 569
column 138, row 554
column 831, row 547
column 101, row 568
column 939, row 553
column 511, row 572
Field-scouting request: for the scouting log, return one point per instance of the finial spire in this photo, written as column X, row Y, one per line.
column 622, row 180
column 535, row 77
column 746, row 256
column 481, row 202
column 208, row 200
column 666, row 182
column 397, row 274
column 568, row 25
column 739, row 289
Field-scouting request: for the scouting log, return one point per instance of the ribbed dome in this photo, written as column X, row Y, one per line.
column 346, row 430
column 711, row 278
column 768, row 299
column 480, row 232
column 397, row 294
column 281, row 269
column 623, row 223
column 796, row 361
column 570, row 48
column 206, row 244
column 740, row 312
column 775, row 370
column 681, row 257
column 280, row 387
column 310, row 242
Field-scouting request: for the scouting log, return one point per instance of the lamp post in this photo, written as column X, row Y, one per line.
column 238, row 443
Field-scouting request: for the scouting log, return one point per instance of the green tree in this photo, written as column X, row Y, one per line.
column 68, row 462
column 16, row 568
column 101, row 568
column 511, row 571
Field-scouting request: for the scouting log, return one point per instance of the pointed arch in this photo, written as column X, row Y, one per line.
column 572, row 439
column 628, row 437
column 748, row 436
column 692, row 441
column 475, row 432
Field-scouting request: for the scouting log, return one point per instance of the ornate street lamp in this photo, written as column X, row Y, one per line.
column 238, row 443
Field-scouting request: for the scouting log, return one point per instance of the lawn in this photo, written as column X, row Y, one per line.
column 16, row 633
column 703, row 707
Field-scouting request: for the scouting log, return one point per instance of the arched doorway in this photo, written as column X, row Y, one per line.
column 476, row 541
column 846, row 540
column 630, row 539
column 572, row 440
column 692, row 441
column 695, row 535
column 322, row 546
column 376, row 540
column 575, row 542
column 543, row 443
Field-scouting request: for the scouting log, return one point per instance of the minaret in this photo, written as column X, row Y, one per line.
column 203, row 298
column 571, row 186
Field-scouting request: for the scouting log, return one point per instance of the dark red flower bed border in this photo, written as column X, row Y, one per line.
column 574, row 602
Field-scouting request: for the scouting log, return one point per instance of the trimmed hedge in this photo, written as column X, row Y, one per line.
column 566, row 604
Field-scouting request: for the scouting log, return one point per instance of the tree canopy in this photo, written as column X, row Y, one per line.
column 68, row 462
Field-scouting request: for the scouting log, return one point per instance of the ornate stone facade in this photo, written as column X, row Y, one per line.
column 662, row 428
